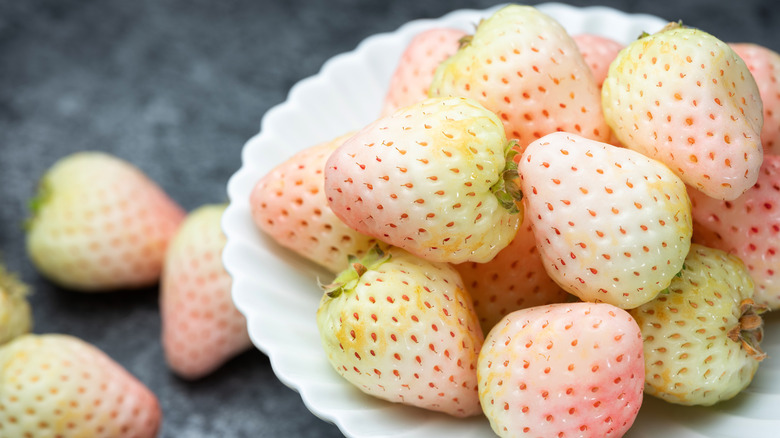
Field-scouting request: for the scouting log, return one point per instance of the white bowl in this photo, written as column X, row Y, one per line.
column 278, row 292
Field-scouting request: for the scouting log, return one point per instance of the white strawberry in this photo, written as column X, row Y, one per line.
column 413, row 75
column 60, row 386
column 100, row 224
column 748, row 227
column 290, row 206
column 598, row 52
column 764, row 65
column 524, row 66
column 685, row 98
column 431, row 179
column 701, row 339
column 201, row 327
column 562, row 370
column 404, row 330
column 611, row 224
column 15, row 312
column 515, row 279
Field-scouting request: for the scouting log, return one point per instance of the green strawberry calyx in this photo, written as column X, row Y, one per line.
column 507, row 188
column 36, row 203
column 348, row 279
column 750, row 329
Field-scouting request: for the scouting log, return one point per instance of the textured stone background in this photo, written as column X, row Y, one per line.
column 176, row 87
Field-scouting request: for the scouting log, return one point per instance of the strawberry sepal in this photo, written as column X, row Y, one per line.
column 750, row 329
column 36, row 203
column 507, row 188
column 347, row 279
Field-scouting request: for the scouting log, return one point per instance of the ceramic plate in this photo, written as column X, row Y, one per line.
column 278, row 292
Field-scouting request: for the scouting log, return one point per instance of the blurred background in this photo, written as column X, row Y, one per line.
column 177, row 87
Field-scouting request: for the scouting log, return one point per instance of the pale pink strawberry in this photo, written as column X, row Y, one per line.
column 524, row 66
column 562, row 370
column 15, row 312
column 598, row 52
column 701, row 338
column 429, row 178
column 201, row 327
column 403, row 329
column 412, row 77
column 764, row 64
column 289, row 205
column 100, row 224
column 515, row 279
column 748, row 227
column 685, row 98
column 60, row 386
column 611, row 224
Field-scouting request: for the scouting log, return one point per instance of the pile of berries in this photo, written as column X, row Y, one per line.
column 541, row 228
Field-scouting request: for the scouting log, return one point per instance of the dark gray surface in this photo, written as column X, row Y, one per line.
column 176, row 87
